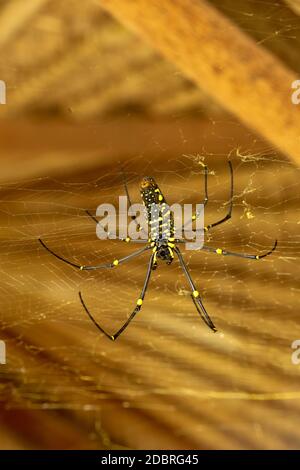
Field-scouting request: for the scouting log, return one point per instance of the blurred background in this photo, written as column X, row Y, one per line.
column 86, row 95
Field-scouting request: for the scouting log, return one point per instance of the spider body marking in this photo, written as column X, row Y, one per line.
column 163, row 245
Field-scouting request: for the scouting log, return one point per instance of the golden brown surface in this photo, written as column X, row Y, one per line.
column 168, row 382
column 89, row 97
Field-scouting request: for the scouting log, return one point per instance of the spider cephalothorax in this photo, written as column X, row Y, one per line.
column 163, row 245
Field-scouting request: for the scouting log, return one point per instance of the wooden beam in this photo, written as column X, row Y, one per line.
column 244, row 77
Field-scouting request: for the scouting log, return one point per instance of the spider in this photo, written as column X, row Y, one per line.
column 163, row 246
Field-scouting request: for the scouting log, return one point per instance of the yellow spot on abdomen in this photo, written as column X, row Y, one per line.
column 195, row 294
column 139, row 302
column 219, row 251
column 116, row 262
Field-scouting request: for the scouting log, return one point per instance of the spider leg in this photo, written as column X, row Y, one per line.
column 205, row 200
column 133, row 314
column 130, row 240
column 115, row 263
column 92, row 216
column 219, row 251
column 133, row 217
column 195, row 294
column 229, row 213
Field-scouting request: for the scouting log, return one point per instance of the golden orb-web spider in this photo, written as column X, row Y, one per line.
column 163, row 244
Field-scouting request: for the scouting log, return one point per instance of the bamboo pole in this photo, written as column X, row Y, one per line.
column 244, row 77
